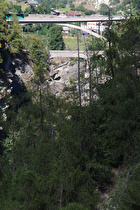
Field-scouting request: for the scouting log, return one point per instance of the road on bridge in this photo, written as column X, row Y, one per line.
column 52, row 19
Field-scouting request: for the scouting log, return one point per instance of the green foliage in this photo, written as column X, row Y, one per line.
column 39, row 57
column 56, row 40
column 81, row 8
column 59, row 154
column 53, row 33
column 10, row 36
column 73, row 206
column 15, row 7
column 130, row 41
column 33, row 28
column 131, row 197
column 120, row 97
column 72, row 6
column 26, row 192
column 125, row 2
column 114, row 2
column 126, row 195
column 89, row 12
column 104, row 10
column 5, row 31
column 72, row 80
column 41, row 9
column 54, row 1
column 135, row 4
column 126, row 7
column 62, row 6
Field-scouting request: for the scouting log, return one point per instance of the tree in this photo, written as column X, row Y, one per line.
column 130, row 199
column 81, row 8
column 117, row 97
column 72, row 6
column 10, row 36
column 39, row 56
column 63, row 153
column 136, row 4
column 103, row 9
column 4, row 30
column 16, row 41
column 56, row 40
column 72, row 206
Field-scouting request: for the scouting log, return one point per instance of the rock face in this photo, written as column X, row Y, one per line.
column 18, row 73
column 63, row 74
column 91, row 4
column 24, row 72
column 61, row 71
column 99, row 2
column 11, row 79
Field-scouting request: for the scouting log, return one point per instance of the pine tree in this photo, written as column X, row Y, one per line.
column 119, row 97
column 56, row 40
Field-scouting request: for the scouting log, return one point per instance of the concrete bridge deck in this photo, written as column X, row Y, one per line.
column 72, row 53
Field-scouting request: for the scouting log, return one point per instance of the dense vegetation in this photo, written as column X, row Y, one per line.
column 125, row 7
column 41, row 9
column 56, row 153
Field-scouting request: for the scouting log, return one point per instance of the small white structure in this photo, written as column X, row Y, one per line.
column 95, row 27
column 66, row 29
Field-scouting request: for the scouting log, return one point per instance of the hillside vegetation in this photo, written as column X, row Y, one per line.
column 71, row 152
column 120, row 7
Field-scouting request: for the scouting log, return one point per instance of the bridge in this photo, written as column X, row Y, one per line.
column 85, row 30
column 73, row 54
column 52, row 19
column 65, row 20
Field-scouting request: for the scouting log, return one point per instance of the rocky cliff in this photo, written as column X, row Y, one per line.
column 63, row 73
column 91, row 4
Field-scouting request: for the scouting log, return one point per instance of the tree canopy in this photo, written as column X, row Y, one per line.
column 57, row 154
column 56, row 40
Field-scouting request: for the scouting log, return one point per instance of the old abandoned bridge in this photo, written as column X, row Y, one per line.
column 73, row 54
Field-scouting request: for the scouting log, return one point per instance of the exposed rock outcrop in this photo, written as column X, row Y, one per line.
column 60, row 72
column 63, row 72
column 91, row 4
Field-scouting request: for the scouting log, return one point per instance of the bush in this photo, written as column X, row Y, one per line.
column 131, row 198
column 75, row 206
column 26, row 192
column 71, row 80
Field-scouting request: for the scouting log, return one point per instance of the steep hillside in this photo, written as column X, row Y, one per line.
column 90, row 4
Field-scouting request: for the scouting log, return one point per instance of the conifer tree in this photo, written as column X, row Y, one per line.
column 117, row 97
column 16, row 42
column 56, row 40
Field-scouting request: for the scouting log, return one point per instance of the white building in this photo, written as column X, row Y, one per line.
column 96, row 27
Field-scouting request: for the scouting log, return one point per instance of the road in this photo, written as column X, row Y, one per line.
column 37, row 18
column 53, row 19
